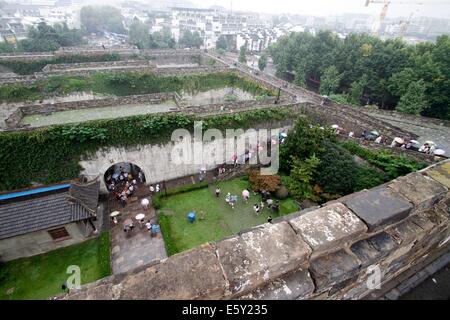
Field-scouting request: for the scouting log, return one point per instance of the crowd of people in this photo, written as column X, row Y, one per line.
column 123, row 185
column 428, row 147
column 266, row 200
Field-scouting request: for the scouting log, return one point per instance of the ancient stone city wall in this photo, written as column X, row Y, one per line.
column 29, row 79
column 320, row 253
column 350, row 120
column 158, row 161
column 13, row 121
column 61, row 67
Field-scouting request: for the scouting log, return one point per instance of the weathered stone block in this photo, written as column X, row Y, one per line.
column 297, row 285
column 405, row 231
column 370, row 250
column 328, row 227
column 379, row 207
column 365, row 252
column 260, row 255
column 193, row 274
column 440, row 173
column 334, row 268
column 421, row 190
column 382, row 242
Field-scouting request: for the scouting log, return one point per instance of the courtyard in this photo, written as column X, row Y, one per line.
column 42, row 276
column 220, row 219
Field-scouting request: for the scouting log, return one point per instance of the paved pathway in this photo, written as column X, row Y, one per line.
column 425, row 128
column 131, row 250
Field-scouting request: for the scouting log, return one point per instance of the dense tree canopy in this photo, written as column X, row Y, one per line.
column 96, row 19
column 222, row 43
column 162, row 40
column 243, row 54
column 369, row 69
column 139, row 34
column 262, row 62
column 190, row 39
column 43, row 37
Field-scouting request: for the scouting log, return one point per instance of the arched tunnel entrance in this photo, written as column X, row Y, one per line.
column 120, row 176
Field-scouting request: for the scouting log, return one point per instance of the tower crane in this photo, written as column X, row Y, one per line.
column 385, row 8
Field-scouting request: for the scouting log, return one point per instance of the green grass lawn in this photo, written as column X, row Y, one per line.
column 41, row 276
column 220, row 220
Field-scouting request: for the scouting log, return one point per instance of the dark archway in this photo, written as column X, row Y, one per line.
column 124, row 171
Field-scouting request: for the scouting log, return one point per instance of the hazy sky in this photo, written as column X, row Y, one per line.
column 430, row 8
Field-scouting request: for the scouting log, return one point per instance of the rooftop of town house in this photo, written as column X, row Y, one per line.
column 42, row 208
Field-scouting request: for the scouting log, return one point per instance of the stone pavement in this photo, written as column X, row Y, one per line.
column 425, row 129
column 129, row 251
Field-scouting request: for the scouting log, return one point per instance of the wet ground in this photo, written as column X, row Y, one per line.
column 435, row 287
column 135, row 248
column 80, row 115
column 426, row 130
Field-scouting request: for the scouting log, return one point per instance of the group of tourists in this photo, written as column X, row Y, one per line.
column 155, row 189
column 428, row 147
column 267, row 201
column 122, row 185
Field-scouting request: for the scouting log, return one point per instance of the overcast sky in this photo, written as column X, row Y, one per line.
column 430, row 8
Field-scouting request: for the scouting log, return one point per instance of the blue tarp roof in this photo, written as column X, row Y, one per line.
column 33, row 191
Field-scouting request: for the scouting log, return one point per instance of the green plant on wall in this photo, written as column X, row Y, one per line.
column 127, row 83
column 51, row 154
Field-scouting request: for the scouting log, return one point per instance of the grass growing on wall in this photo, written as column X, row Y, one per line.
column 51, row 154
column 128, row 83
column 41, row 276
column 392, row 165
column 27, row 67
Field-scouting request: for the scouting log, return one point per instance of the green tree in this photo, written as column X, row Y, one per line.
column 190, row 39
column 6, row 47
column 96, row 19
column 303, row 141
column 47, row 38
column 388, row 65
column 262, row 62
column 242, row 54
column 338, row 171
column 162, row 40
column 301, row 178
column 357, row 90
column 222, row 43
column 329, row 82
column 413, row 101
column 139, row 35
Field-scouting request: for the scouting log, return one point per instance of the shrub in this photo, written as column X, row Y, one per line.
column 261, row 182
column 337, row 171
column 282, row 193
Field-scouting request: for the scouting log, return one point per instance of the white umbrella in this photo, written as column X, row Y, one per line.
column 140, row 216
column 399, row 140
column 114, row 214
column 375, row 133
column 335, row 126
column 283, row 134
column 429, row 142
column 414, row 142
column 439, row 152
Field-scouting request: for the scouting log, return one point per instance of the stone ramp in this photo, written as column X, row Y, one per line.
column 137, row 248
